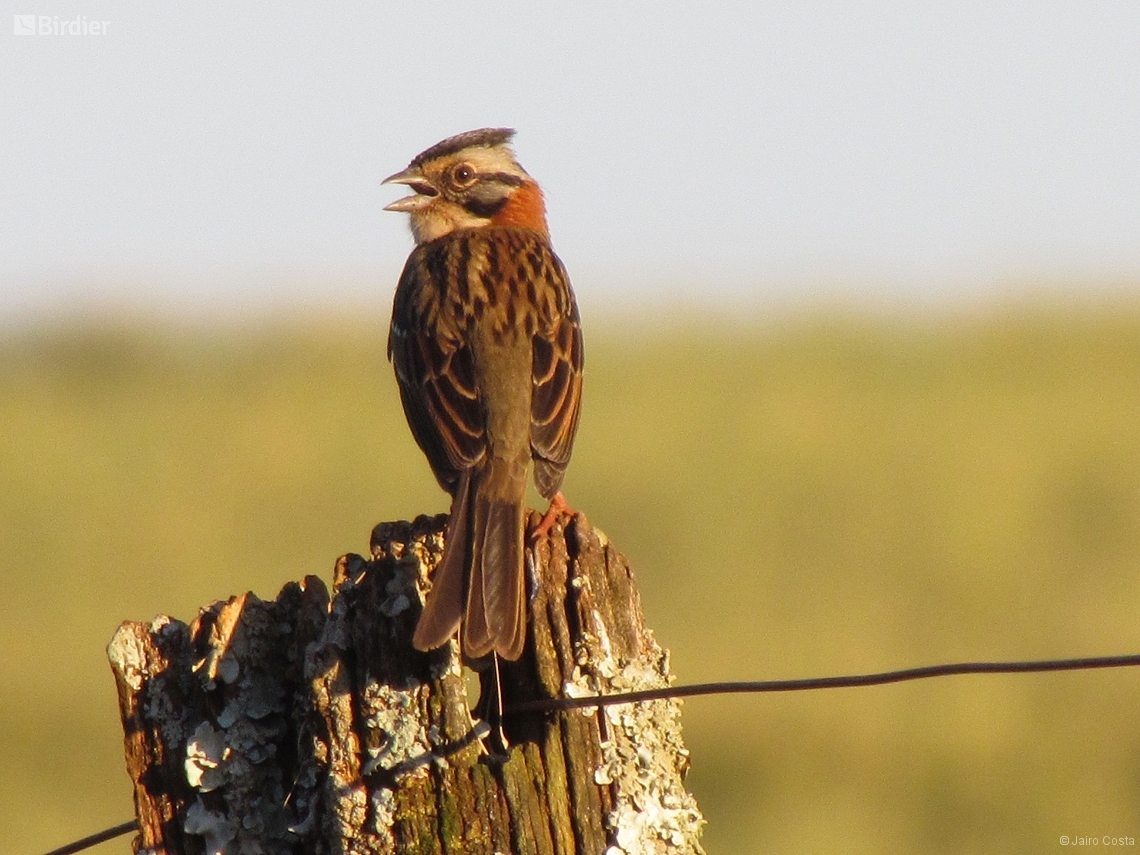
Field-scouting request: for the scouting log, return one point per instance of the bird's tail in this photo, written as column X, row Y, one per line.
column 481, row 579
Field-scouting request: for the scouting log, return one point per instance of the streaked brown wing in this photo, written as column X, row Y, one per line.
column 434, row 370
column 557, row 374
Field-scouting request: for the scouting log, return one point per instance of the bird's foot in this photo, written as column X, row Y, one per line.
column 557, row 508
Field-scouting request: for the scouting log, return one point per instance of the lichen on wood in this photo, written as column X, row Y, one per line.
column 311, row 725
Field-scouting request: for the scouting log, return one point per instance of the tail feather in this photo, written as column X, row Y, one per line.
column 444, row 607
column 477, row 637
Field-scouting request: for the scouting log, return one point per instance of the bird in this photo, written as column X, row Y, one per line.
column 486, row 343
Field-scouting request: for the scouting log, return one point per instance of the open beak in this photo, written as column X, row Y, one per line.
column 425, row 190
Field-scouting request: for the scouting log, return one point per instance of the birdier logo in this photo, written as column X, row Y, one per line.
column 53, row 25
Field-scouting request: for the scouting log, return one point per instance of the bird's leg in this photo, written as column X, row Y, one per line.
column 557, row 507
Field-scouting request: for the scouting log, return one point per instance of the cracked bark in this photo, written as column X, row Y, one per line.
column 310, row 725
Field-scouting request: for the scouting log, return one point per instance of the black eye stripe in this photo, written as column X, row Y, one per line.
column 504, row 178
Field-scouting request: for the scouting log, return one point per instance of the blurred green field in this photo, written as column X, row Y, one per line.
column 814, row 494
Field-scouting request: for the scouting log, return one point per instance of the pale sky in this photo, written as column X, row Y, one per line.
column 210, row 157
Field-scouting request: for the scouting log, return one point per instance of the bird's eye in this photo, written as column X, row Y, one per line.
column 463, row 174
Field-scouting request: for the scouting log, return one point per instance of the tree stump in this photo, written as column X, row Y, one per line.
column 310, row 725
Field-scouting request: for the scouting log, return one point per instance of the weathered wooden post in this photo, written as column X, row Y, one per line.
column 310, row 725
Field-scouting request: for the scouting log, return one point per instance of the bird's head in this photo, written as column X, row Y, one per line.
column 468, row 181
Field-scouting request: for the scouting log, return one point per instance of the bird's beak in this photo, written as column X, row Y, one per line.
column 425, row 190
